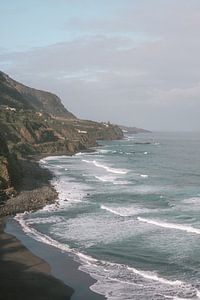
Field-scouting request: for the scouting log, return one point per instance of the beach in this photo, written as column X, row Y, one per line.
column 126, row 224
column 24, row 275
column 30, row 269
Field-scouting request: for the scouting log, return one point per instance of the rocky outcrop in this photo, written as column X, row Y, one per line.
column 35, row 123
column 28, row 133
column 133, row 130
column 34, row 191
column 5, row 178
column 10, row 171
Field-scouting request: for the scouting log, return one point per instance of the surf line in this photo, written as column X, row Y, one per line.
column 188, row 229
column 111, row 170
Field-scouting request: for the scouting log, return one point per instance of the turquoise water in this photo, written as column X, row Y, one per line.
column 129, row 212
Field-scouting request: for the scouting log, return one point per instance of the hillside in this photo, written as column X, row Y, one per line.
column 35, row 123
column 29, row 132
column 19, row 96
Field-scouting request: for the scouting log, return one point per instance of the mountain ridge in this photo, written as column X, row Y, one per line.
column 20, row 96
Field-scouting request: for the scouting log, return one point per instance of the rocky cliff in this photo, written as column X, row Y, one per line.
column 19, row 96
column 35, row 123
column 10, row 171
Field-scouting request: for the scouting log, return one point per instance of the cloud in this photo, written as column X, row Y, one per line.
column 136, row 66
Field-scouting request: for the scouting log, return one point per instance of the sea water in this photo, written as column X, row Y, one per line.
column 129, row 212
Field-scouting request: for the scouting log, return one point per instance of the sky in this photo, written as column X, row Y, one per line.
column 131, row 62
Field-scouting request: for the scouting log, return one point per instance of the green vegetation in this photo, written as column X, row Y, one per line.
column 34, row 122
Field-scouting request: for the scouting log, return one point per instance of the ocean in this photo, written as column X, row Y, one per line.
column 129, row 213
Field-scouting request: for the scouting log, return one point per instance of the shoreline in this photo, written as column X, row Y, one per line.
column 63, row 267
column 24, row 275
column 22, row 255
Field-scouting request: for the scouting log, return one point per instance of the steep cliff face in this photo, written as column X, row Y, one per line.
column 29, row 133
column 34, row 122
column 9, row 96
column 10, row 170
column 19, row 96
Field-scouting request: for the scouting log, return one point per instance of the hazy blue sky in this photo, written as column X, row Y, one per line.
column 133, row 62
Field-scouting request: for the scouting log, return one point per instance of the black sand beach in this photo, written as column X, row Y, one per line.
column 24, row 275
column 62, row 266
column 30, row 269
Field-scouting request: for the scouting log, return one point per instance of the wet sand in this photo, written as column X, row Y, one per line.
column 30, row 269
column 61, row 265
column 24, row 275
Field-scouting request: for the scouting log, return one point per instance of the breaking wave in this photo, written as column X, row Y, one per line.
column 185, row 228
column 108, row 169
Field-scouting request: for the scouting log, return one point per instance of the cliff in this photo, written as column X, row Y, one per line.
column 28, row 133
column 35, row 123
column 19, row 96
column 10, row 171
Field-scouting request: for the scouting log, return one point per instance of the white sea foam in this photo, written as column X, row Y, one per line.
column 125, row 211
column 40, row 236
column 69, row 193
column 42, row 161
column 105, row 178
column 79, row 153
column 192, row 200
column 42, row 220
column 112, row 179
column 49, row 158
column 155, row 277
column 144, row 176
column 113, row 211
column 104, row 151
column 106, row 272
column 186, row 228
column 86, row 258
column 145, row 153
column 141, row 281
column 198, row 294
column 108, row 169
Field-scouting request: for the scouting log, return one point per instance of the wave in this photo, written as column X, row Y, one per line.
column 53, row 219
column 112, row 180
column 105, row 178
column 144, row 176
column 79, row 153
column 55, row 157
column 107, row 272
column 192, row 200
column 140, row 281
column 108, row 169
column 38, row 236
column 113, row 211
column 125, row 211
column 155, row 277
column 69, row 193
column 186, row 228
column 104, row 151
